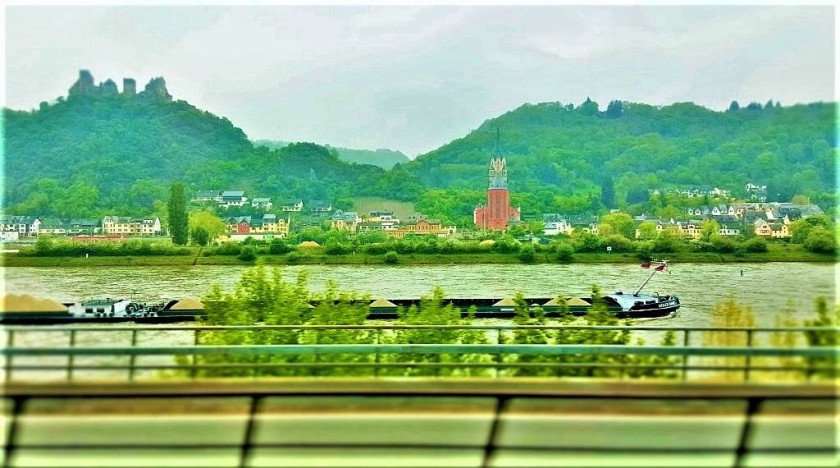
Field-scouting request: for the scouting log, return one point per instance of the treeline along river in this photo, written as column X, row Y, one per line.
column 768, row 288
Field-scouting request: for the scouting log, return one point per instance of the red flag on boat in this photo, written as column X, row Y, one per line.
column 660, row 267
column 645, row 265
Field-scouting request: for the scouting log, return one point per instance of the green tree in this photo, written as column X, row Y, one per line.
column 709, row 228
column 199, row 236
column 801, row 228
column 647, row 230
column 177, row 210
column 621, row 223
column 820, row 240
column 210, row 222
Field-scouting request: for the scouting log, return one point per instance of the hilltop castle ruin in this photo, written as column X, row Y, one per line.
column 85, row 86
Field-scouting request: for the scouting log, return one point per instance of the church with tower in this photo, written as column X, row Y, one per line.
column 497, row 213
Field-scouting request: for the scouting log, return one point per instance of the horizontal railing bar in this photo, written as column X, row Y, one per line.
column 420, row 445
column 42, row 328
column 814, row 351
column 456, row 365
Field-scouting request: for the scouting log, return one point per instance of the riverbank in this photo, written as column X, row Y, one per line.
column 775, row 253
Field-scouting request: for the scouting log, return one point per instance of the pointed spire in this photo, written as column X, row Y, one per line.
column 496, row 146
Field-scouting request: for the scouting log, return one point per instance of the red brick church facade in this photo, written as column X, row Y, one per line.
column 498, row 212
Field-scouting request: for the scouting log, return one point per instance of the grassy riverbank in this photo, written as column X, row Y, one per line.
column 316, row 256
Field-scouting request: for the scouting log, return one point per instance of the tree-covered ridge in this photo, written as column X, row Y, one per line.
column 101, row 153
column 384, row 158
column 562, row 149
column 95, row 155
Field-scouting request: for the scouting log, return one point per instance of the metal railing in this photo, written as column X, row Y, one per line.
column 503, row 354
column 741, row 415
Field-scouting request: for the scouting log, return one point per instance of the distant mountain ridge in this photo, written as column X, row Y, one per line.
column 384, row 158
column 562, row 148
column 104, row 151
column 101, row 151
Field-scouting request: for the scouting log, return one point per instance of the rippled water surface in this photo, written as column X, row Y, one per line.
column 768, row 288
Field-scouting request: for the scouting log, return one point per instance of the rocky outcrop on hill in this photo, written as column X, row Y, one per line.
column 85, row 86
column 157, row 89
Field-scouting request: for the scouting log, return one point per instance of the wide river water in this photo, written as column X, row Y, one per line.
column 768, row 288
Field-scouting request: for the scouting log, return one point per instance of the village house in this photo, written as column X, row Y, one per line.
column 320, row 206
column 267, row 226
column 262, row 203
column 690, row 229
column 231, row 198
column 384, row 221
column 779, row 230
column 729, row 229
column 24, row 226
column 756, row 192
column 83, row 226
column 292, row 205
column 420, row 225
column 208, row 196
column 762, row 228
column 345, row 221
column 584, row 223
column 126, row 226
column 53, row 227
column 554, row 224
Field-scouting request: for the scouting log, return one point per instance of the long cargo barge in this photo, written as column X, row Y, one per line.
column 25, row 310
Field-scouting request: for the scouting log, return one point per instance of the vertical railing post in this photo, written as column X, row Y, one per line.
column 376, row 354
column 10, row 342
column 685, row 356
column 194, row 371
column 498, row 356
column 70, row 358
column 133, row 358
column 749, row 357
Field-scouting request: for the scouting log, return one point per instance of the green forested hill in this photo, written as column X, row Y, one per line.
column 384, row 158
column 96, row 154
column 89, row 155
column 553, row 148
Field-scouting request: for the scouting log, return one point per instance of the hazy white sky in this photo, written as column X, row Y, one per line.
column 414, row 78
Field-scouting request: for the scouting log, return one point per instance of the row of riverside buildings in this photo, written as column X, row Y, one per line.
column 386, row 223
column 15, row 227
column 238, row 198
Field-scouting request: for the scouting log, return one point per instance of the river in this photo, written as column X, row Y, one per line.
column 768, row 288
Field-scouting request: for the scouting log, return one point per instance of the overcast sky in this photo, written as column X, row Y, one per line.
column 414, row 78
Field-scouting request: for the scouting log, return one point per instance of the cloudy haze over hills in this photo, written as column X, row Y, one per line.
column 412, row 78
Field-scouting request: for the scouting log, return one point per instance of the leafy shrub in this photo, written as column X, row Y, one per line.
column 756, row 244
column 723, row 244
column 820, row 240
column 336, row 248
column 506, row 244
column 294, row 257
column 391, row 257
column 527, row 254
column 565, row 252
column 228, row 248
column 278, row 247
column 376, row 249
column 618, row 243
column 248, row 253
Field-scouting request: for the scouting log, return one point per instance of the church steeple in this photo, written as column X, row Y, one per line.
column 498, row 173
column 498, row 167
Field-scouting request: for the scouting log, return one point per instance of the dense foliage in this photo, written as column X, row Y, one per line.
column 557, row 151
column 177, row 219
column 93, row 156
column 260, row 297
column 383, row 158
